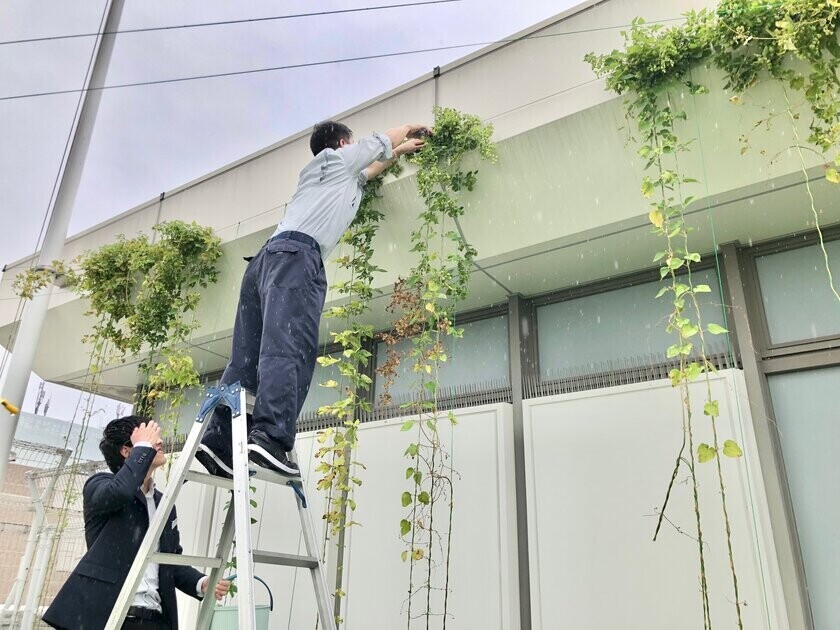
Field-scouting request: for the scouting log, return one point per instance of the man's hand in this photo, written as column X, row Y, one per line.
column 409, row 146
column 222, row 587
column 146, row 433
column 397, row 135
column 418, row 131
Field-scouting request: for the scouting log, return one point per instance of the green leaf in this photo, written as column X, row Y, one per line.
column 711, row 408
column 407, row 425
column 647, row 189
column 418, row 477
column 716, row 330
column 832, row 175
column 453, row 419
column 693, row 371
column 423, row 497
column 690, row 330
column 404, row 555
column 705, row 453
column 406, row 499
column 675, row 263
column 408, row 472
column 680, row 288
column 662, row 292
column 676, row 376
column 656, row 217
column 405, row 527
column 702, row 288
column 731, row 449
column 659, row 256
column 693, row 257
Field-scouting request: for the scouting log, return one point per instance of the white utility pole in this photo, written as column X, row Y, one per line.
column 35, row 312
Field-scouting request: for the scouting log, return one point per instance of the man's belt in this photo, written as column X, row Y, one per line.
column 139, row 612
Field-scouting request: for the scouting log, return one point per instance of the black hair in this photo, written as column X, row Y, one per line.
column 328, row 135
column 117, row 434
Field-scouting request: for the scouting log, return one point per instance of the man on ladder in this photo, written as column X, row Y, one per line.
column 275, row 336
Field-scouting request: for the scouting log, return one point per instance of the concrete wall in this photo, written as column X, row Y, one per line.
column 598, row 465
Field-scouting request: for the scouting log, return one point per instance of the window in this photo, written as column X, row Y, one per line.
column 797, row 297
column 588, row 333
column 319, row 396
column 480, row 358
column 805, row 405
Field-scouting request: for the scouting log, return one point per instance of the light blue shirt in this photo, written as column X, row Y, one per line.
column 330, row 190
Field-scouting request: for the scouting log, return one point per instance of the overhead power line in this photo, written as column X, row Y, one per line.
column 312, row 64
column 226, row 22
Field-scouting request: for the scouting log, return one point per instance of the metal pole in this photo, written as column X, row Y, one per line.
column 517, row 341
column 34, row 314
column 38, row 579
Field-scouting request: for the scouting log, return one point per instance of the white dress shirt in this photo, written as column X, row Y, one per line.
column 147, row 595
column 330, row 190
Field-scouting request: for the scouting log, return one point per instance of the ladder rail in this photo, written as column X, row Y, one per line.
column 319, row 580
column 153, row 533
column 208, row 604
column 237, row 525
column 242, row 518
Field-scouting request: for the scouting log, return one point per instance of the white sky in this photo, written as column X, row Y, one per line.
column 152, row 139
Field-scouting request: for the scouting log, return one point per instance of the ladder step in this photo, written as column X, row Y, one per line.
column 256, row 473
column 285, row 559
column 182, row 560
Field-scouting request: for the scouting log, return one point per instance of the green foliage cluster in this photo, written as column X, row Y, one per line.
column 338, row 443
column 142, row 296
column 428, row 298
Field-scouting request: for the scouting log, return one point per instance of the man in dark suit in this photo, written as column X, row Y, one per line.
column 118, row 507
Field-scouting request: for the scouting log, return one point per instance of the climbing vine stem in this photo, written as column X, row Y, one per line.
column 337, row 445
column 425, row 301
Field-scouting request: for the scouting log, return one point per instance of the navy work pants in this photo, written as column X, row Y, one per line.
column 275, row 338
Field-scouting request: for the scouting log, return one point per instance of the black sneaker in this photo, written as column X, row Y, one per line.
column 213, row 463
column 266, row 454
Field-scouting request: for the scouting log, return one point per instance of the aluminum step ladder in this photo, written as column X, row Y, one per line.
column 237, row 524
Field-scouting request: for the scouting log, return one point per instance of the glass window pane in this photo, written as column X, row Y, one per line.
column 319, row 396
column 797, row 296
column 480, row 358
column 586, row 333
column 805, row 405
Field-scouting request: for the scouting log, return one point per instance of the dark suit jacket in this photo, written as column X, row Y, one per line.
column 116, row 519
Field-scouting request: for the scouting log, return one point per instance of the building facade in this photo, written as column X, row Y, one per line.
column 563, row 359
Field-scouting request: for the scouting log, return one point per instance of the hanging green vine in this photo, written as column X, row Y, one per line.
column 747, row 41
column 427, row 299
column 142, row 296
column 335, row 456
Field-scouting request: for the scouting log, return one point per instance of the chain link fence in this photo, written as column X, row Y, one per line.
column 41, row 529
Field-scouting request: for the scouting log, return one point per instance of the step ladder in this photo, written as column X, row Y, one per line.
column 237, row 524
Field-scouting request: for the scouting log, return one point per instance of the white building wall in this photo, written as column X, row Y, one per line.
column 597, row 465
column 484, row 569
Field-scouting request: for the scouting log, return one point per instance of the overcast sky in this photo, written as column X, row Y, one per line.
column 152, row 139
